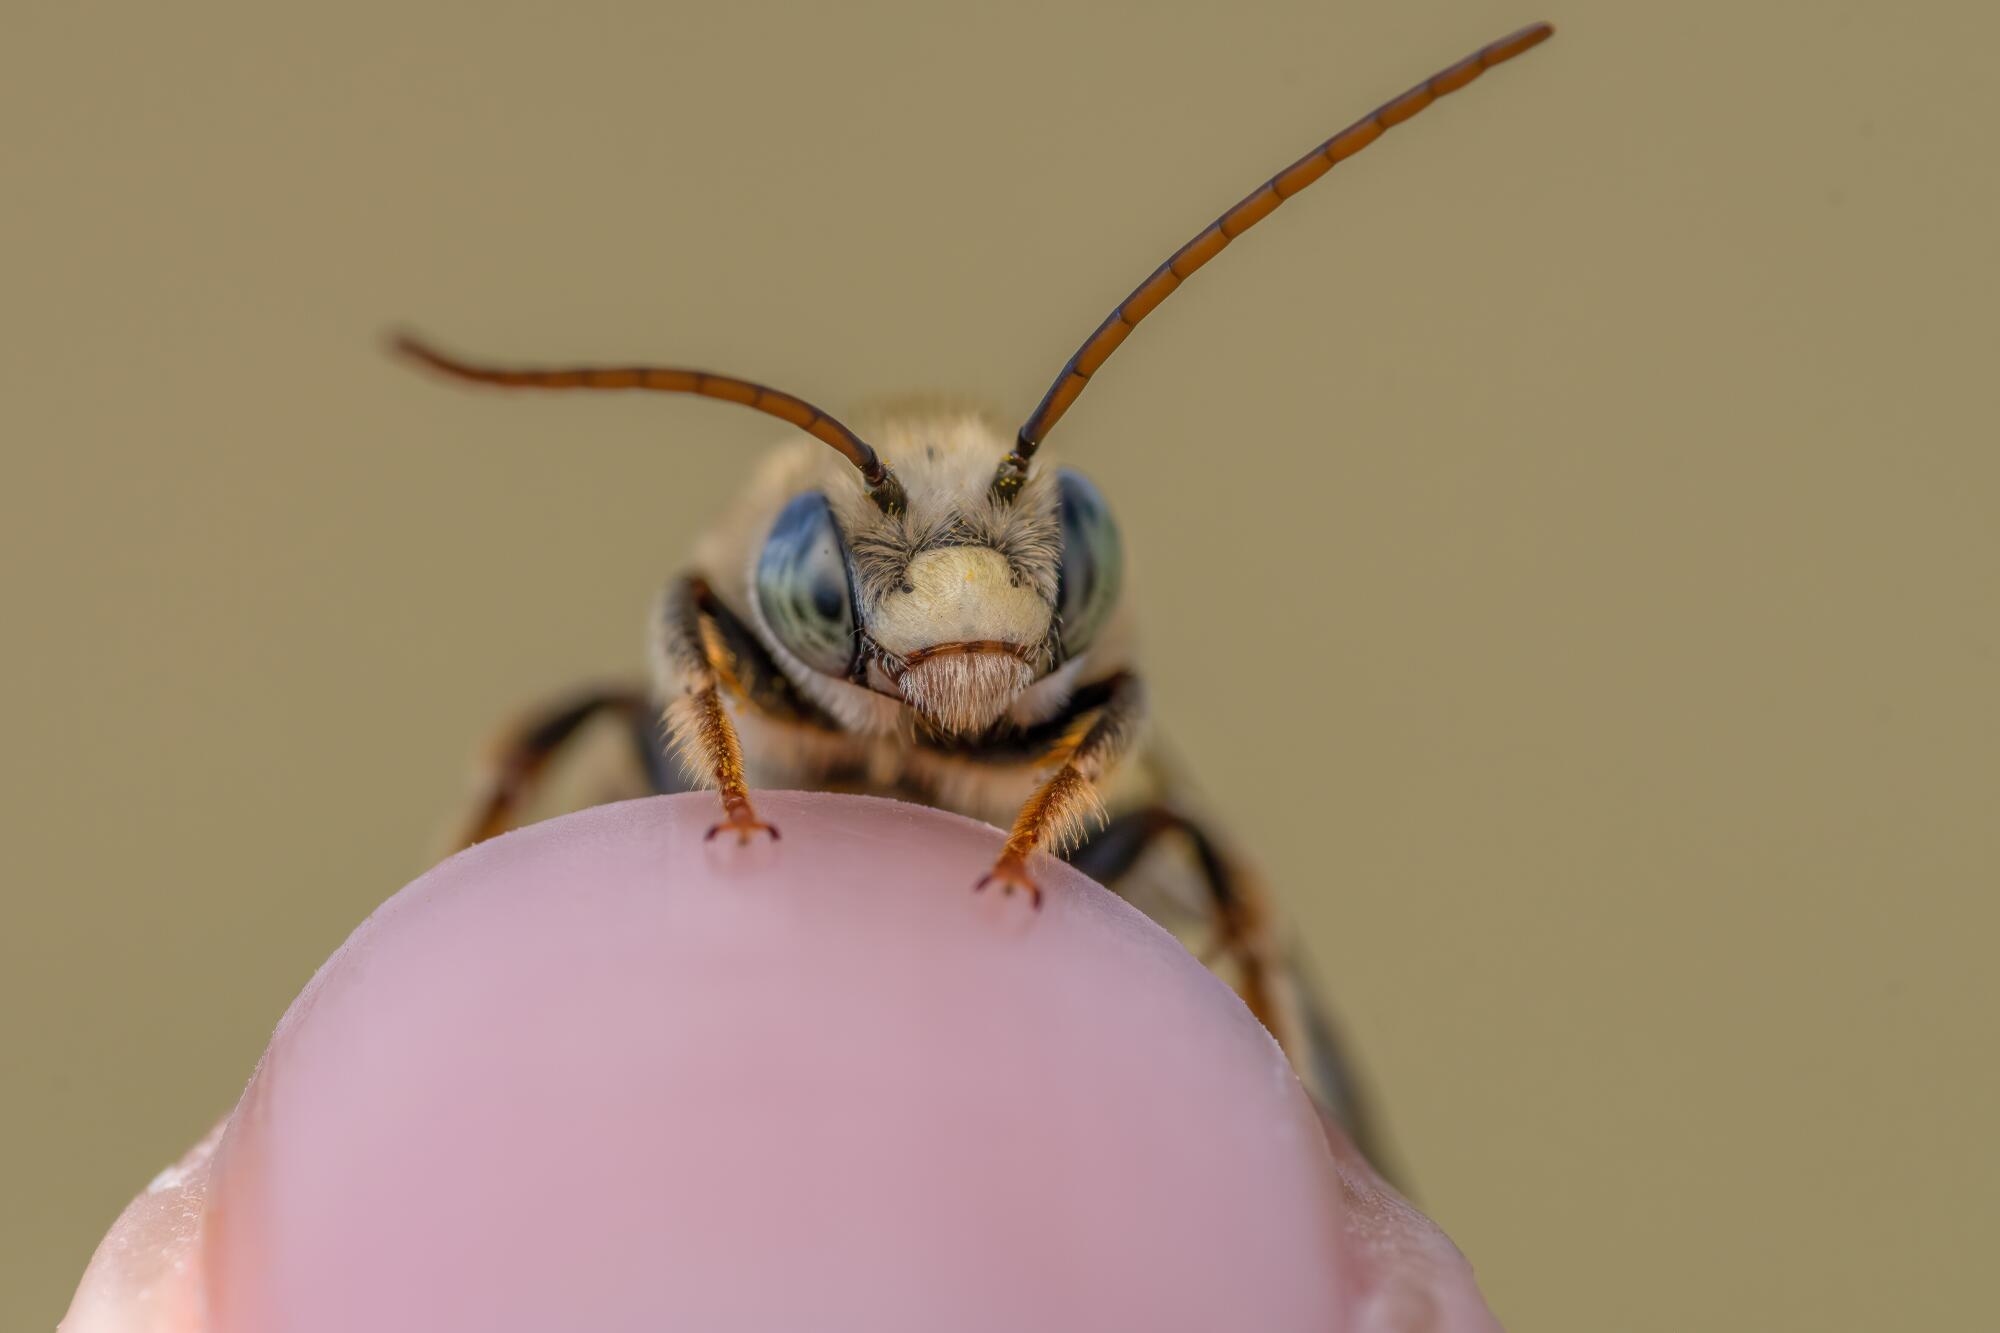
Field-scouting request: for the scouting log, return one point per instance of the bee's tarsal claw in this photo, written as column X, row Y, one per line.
column 744, row 823
column 1011, row 873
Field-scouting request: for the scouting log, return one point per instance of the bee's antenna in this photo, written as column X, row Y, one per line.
column 1252, row 209
column 883, row 487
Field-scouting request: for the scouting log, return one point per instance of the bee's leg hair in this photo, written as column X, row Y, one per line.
column 646, row 729
column 1063, row 807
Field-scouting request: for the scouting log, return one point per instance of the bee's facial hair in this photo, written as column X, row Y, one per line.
column 965, row 693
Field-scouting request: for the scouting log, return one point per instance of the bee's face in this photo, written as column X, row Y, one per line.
column 956, row 606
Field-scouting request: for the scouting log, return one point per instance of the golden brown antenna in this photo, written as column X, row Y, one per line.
column 883, row 487
column 1253, row 208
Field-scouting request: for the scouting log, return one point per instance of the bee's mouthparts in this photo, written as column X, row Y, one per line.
column 965, row 646
column 965, row 687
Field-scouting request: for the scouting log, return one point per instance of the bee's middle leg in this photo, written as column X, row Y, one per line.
column 1244, row 928
column 521, row 754
column 1247, row 935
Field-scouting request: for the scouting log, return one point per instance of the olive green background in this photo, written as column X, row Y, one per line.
column 1566, row 535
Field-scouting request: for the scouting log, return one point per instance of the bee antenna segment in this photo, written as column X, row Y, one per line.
column 883, row 487
column 1253, row 208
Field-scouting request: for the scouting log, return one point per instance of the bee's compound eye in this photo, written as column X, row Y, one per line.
column 804, row 588
column 1092, row 563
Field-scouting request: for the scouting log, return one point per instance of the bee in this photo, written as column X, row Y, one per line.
column 930, row 609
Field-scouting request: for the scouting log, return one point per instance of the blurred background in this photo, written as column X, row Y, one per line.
column 1599, row 474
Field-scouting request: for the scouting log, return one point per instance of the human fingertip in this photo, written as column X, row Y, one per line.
column 145, row 1276
column 587, row 1075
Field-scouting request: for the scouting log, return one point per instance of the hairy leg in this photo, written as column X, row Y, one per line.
column 696, row 653
column 1062, row 807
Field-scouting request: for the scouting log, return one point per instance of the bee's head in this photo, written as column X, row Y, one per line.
column 964, row 573
column 955, row 603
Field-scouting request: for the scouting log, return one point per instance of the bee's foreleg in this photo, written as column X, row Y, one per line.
column 520, row 755
column 1063, row 807
column 697, row 654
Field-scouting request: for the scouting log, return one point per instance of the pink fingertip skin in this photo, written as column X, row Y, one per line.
column 600, row 1075
column 146, row 1276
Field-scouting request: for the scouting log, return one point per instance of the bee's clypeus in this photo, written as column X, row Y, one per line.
column 931, row 609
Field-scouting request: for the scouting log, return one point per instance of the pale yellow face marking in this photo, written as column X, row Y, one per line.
column 959, row 594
